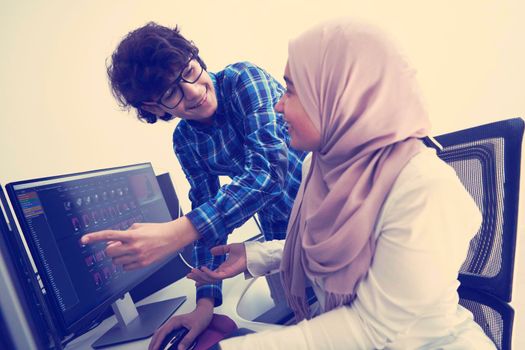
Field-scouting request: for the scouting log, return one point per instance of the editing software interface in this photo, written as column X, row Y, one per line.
column 55, row 213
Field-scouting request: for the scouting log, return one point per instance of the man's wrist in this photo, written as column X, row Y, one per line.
column 183, row 232
column 205, row 304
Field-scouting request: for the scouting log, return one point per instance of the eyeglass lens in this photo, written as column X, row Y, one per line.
column 190, row 75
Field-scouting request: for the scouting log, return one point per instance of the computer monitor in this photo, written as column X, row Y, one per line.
column 22, row 325
column 81, row 281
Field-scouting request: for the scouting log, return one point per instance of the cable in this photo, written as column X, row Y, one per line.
column 258, row 224
column 180, row 253
column 435, row 142
column 184, row 261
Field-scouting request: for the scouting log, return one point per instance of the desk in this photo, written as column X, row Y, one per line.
column 242, row 300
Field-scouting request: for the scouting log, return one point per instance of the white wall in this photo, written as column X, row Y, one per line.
column 58, row 115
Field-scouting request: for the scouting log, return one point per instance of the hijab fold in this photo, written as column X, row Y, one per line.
column 361, row 95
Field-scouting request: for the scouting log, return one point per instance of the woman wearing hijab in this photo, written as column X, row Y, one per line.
column 380, row 226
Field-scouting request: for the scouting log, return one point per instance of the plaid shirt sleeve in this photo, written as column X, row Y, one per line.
column 203, row 187
column 266, row 161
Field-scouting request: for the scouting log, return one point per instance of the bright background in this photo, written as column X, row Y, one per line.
column 58, row 115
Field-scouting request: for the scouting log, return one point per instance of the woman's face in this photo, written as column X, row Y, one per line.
column 302, row 131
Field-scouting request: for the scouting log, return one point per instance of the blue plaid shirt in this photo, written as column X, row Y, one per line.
column 248, row 142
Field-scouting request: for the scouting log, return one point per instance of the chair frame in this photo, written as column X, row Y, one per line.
column 511, row 130
column 494, row 292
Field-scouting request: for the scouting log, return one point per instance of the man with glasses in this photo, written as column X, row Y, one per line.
column 228, row 126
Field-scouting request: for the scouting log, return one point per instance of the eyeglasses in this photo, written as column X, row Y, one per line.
column 173, row 96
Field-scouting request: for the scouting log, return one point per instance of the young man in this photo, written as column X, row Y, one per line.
column 228, row 127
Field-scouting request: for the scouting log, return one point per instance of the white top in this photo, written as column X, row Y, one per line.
column 409, row 297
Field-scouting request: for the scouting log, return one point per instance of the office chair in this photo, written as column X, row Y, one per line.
column 487, row 160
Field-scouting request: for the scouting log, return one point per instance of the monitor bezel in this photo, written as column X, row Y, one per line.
column 87, row 319
column 28, row 295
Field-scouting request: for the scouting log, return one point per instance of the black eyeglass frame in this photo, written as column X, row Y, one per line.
column 180, row 79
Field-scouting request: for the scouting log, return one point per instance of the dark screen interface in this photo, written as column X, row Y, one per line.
column 57, row 212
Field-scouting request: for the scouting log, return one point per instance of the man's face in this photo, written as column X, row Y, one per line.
column 191, row 96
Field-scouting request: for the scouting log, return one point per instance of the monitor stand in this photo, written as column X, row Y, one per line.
column 135, row 323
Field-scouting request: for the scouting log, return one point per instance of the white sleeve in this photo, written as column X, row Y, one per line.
column 263, row 258
column 425, row 230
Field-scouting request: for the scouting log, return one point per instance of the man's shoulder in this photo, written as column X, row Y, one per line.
column 181, row 132
column 244, row 72
column 245, row 76
column 238, row 68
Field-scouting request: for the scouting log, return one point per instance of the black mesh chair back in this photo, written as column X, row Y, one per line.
column 487, row 160
column 493, row 315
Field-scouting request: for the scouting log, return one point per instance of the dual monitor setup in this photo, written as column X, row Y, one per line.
column 53, row 287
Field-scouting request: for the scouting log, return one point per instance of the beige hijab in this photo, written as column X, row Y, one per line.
column 361, row 95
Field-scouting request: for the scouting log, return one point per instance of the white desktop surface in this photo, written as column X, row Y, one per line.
column 256, row 301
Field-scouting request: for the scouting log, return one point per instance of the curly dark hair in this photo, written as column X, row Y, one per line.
column 144, row 64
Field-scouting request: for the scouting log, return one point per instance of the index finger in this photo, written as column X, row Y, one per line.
column 160, row 333
column 188, row 339
column 106, row 235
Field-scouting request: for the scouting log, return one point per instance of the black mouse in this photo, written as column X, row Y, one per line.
column 173, row 338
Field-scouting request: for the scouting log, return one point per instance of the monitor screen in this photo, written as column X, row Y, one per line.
column 55, row 212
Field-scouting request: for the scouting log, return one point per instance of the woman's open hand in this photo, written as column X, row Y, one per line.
column 234, row 264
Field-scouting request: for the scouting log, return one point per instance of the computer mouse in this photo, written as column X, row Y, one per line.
column 173, row 338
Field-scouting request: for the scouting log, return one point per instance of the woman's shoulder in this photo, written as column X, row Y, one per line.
column 428, row 203
column 426, row 169
column 426, row 181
